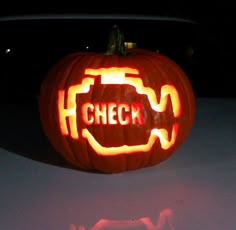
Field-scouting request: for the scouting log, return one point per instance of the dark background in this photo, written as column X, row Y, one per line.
column 219, row 14
column 210, row 68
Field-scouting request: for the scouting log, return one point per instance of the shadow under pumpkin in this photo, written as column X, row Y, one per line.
column 22, row 134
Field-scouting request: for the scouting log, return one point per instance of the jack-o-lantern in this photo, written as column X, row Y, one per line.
column 118, row 111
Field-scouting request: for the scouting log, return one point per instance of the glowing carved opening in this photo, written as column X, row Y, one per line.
column 112, row 113
column 162, row 134
column 104, row 113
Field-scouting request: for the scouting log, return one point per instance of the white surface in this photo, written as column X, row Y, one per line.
column 195, row 189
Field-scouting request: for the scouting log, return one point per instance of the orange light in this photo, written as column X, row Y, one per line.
column 162, row 134
column 165, row 219
column 112, row 113
column 105, row 113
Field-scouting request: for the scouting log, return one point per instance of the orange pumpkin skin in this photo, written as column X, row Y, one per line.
column 122, row 133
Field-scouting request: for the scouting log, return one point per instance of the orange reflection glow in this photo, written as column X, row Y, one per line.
column 104, row 113
column 165, row 221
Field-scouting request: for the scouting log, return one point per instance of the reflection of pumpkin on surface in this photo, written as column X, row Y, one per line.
column 92, row 122
column 165, row 221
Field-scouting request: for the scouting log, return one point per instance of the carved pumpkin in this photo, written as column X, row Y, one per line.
column 118, row 111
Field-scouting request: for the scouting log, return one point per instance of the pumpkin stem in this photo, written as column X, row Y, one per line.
column 116, row 42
